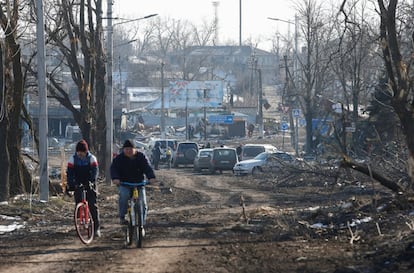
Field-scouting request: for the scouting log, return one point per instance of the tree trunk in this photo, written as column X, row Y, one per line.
column 4, row 159
column 377, row 176
column 19, row 176
column 407, row 120
column 13, row 167
column 399, row 75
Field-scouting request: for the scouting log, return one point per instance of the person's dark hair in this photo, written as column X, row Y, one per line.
column 128, row 143
column 82, row 146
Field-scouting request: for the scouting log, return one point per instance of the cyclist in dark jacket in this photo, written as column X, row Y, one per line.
column 130, row 166
column 83, row 169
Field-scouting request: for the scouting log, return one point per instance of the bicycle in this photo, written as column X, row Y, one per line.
column 83, row 218
column 135, row 229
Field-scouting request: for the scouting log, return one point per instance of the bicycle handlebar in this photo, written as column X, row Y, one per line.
column 134, row 184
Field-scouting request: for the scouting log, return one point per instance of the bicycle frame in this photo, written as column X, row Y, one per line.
column 135, row 227
column 83, row 219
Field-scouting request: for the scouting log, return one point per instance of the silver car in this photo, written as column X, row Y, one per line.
column 280, row 160
column 251, row 166
column 264, row 162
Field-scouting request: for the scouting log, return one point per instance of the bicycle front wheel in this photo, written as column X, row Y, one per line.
column 83, row 223
column 139, row 227
column 129, row 232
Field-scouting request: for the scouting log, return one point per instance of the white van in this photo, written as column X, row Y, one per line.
column 164, row 143
column 249, row 151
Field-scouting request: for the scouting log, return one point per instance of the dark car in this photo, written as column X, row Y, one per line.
column 185, row 153
column 223, row 159
column 202, row 160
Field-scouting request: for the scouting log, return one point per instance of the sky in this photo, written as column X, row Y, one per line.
column 255, row 24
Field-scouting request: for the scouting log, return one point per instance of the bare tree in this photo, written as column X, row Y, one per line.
column 397, row 50
column 313, row 71
column 356, row 64
column 178, row 36
column 76, row 35
column 14, row 176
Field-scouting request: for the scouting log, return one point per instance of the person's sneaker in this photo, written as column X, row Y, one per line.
column 98, row 233
column 143, row 232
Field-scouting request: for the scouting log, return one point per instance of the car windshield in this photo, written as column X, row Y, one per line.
column 262, row 156
column 224, row 153
column 252, row 151
column 283, row 156
column 205, row 153
column 184, row 146
column 163, row 144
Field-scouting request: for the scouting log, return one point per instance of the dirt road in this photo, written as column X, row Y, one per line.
column 303, row 224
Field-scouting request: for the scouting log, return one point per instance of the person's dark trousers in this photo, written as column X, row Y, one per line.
column 156, row 162
column 91, row 197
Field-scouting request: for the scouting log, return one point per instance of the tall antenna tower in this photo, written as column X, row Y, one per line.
column 216, row 28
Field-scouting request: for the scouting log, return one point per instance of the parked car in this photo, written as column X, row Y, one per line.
column 203, row 159
column 249, row 151
column 264, row 162
column 279, row 160
column 251, row 166
column 185, row 153
column 140, row 145
column 223, row 159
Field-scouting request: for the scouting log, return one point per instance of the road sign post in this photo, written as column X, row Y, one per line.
column 284, row 126
column 296, row 114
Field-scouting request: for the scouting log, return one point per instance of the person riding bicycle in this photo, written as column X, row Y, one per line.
column 82, row 169
column 130, row 166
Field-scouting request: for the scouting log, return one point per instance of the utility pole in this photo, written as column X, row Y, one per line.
column 205, row 114
column 216, row 27
column 162, row 125
column 289, row 102
column 240, row 23
column 295, row 54
column 187, row 133
column 43, row 117
column 109, row 104
column 259, row 72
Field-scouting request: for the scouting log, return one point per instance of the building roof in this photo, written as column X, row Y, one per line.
column 224, row 51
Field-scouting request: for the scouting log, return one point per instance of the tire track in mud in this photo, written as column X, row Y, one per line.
column 221, row 198
column 220, row 190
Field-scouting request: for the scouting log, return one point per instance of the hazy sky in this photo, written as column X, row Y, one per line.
column 254, row 15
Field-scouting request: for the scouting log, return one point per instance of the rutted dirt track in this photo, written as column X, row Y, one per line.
column 299, row 225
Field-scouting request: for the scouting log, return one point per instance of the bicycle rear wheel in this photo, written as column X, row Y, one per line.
column 139, row 227
column 83, row 223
